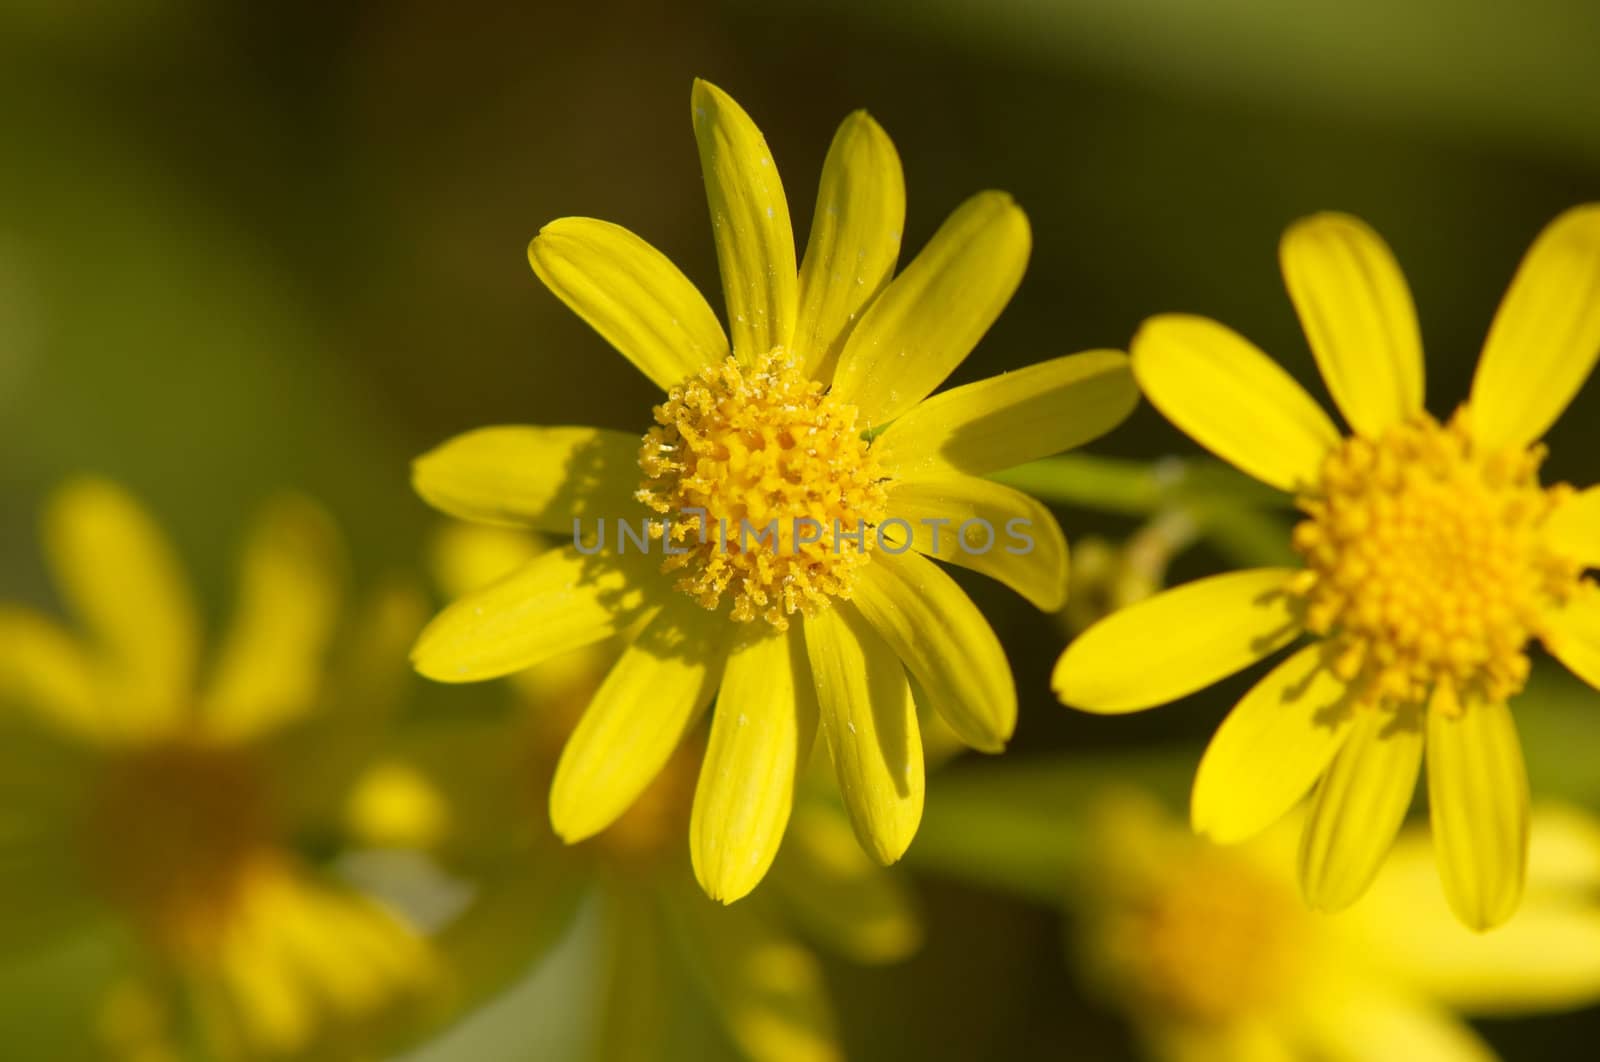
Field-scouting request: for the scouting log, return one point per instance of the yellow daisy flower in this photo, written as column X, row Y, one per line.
column 454, row 788
column 1212, row 958
column 1432, row 557
column 138, row 793
column 816, row 417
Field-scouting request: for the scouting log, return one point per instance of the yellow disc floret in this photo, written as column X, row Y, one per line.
column 174, row 833
column 770, row 493
column 1426, row 563
column 1212, row 940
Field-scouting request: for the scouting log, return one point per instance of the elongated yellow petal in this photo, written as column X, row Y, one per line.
column 544, row 478
column 932, row 315
column 119, row 573
column 1028, row 552
column 631, row 294
column 1270, row 749
column 1177, row 642
column 271, row 662
column 945, row 643
column 1546, row 958
column 841, row 898
column 1232, row 399
column 45, row 671
column 750, row 221
column 1572, row 634
column 1358, row 809
column 1574, row 528
column 1545, row 337
column 466, row 557
column 1478, row 800
column 761, row 734
column 767, row 988
column 651, row 698
column 870, row 723
column 1357, row 313
column 1376, row 1021
column 855, row 240
column 558, row 601
column 1012, row 418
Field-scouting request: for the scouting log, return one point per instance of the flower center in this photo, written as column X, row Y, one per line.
column 770, row 493
column 1426, row 563
column 174, row 832
column 1212, row 939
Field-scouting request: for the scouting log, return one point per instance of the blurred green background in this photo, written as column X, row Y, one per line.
column 245, row 246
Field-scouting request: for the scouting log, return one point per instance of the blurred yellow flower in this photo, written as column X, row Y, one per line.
column 746, row 965
column 1210, row 954
column 816, row 417
column 136, row 790
column 1433, row 556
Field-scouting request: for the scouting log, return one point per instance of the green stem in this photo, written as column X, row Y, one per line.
column 1242, row 518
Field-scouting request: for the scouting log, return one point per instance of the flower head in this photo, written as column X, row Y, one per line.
column 167, row 802
column 1209, row 953
column 1433, row 558
column 793, row 484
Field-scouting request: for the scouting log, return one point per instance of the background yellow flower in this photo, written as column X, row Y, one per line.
column 1210, row 954
column 172, row 796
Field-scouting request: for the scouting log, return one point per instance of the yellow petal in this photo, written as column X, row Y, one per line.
column 841, row 898
column 647, row 703
column 761, row 734
column 269, row 1002
column 1478, row 800
column 631, row 294
column 271, row 663
column 1270, row 749
column 1357, row 313
column 1028, row 552
column 855, row 239
column 558, row 601
column 1177, row 642
column 1572, row 634
column 768, row 989
column 1012, row 418
column 1545, row 337
column 1358, row 809
column 1232, row 399
column 1546, row 958
column 1574, row 528
column 944, row 642
column 395, row 804
column 552, row 479
column 934, row 313
column 45, row 671
column 750, row 221
column 466, row 557
column 1376, row 1021
column 116, row 568
column 870, row 724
